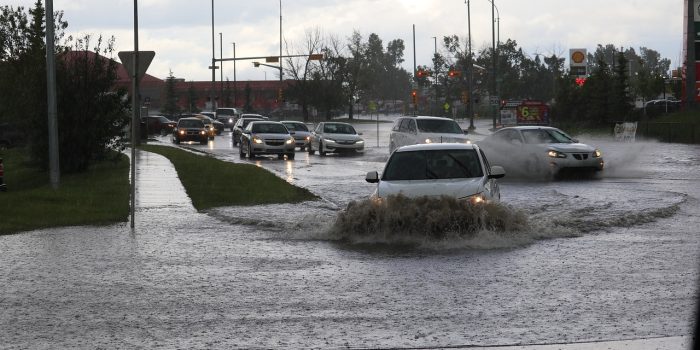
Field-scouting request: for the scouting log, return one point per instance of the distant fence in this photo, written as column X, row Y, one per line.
column 670, row 131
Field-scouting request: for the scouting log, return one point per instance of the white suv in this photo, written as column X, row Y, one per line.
column 421, row 129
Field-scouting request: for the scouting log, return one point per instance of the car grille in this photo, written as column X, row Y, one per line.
column 274, row 142
column 345, row 142
column 581, row 156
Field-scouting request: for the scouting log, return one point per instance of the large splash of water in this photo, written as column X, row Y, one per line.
column 442, row 222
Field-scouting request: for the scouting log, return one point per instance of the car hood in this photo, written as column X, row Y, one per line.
column 571, row 147
column 343, row 137
column 272, row 136
column 443, row 138
column 457, row 188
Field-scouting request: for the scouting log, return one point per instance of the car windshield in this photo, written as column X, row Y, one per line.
column 439, row 126
column 164, row 120
column 338, row 129
column 269, row 128
column 245, row 122
column 537, row 136
column 433, row 164
column 191, row 123
column 296, row 126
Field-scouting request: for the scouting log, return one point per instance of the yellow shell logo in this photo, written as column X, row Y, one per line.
column 578, row 57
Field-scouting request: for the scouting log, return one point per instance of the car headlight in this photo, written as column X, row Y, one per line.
column 202, row 132
column 597, row 153
column 428, row 141
column 181, row 132
column 556, row 154
column 360, row 141
column 290, row 141
column 230, row 120
column 257, row 140
column 308, row 138
column 328, row 140
column 476, row 198
column 468, row 142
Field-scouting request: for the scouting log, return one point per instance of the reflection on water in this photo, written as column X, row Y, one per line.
column 289, row 171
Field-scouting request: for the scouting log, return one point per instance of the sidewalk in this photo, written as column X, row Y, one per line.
column 158, row 186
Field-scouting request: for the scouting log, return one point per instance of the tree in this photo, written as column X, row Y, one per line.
column 91, row 114
column 170, row 107
column 192, row 99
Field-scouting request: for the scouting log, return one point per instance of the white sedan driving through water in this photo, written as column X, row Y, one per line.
column 455, row 170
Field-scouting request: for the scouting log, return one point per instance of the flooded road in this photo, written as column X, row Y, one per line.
column 615, row 258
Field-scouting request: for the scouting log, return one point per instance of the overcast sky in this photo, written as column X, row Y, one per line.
column 179, row 31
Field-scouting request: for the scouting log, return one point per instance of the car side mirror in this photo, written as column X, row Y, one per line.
column 292, row 132
column 575, row 140
column 372, row 177
column 466, row 131
column 359, row 133
column 497, row 172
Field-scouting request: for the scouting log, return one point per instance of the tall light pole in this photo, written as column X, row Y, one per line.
column 221, row 66
column 135, row 109
column 279, row 92
column 470, row 105
column 54, row 168
column 435, row 82
column 213, row 59
column 494, row 107
column 235, row 89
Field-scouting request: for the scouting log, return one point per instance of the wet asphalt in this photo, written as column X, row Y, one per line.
column 620, row 271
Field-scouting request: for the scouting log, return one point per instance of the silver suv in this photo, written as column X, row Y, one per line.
column 421, row 129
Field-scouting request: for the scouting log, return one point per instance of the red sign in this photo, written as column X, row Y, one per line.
column 532, row 112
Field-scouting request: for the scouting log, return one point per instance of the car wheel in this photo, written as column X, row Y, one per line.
column 250, row 151
column 163, row 132
column 235, row 143
column 280, row 156
column 290, row 156
column 203, row 142
column 241, row 153
column 321, row 152
column 310, row 149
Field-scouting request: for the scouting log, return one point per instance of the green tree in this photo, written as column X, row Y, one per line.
column 192, row 99
column 170, row 107
column 91, row 114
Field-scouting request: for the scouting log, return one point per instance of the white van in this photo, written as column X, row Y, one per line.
column 412, row 130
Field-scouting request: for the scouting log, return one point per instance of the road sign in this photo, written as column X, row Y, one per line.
column 145, row 58
column 316, row 57
column 272, row 59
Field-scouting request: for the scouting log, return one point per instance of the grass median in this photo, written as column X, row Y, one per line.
column 211, row 182
column 97, row 197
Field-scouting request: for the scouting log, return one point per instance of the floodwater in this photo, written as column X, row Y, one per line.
column 610, row 261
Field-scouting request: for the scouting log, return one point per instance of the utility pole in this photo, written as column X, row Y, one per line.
column 213, row 60
column 470, row 67
column 235, row 89
column 221, row 67
column 135, row 110
column 493, row 77
column 54, row 167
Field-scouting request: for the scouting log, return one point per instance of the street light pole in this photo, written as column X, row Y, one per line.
column 54, row 168
column 470, row 105
column 493, row 76
column 235, row 89
column 221, row 70
column 213, row 60
column 435, row 76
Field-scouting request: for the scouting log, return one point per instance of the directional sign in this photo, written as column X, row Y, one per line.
column 145, row 58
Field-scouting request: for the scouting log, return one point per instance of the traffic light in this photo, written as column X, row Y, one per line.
column 280, row 95
column 414, row 96
column 422, row 73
